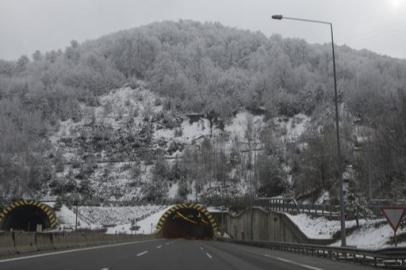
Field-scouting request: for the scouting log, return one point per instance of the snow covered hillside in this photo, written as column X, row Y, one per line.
column 112, row 153
column 372, row 234
column 115, row 219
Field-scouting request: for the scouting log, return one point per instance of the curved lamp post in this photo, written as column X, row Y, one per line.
column 339, row 164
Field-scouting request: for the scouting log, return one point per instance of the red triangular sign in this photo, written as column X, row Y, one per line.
column 394, row 215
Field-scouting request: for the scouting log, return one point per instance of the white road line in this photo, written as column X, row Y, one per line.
column 292, row 262
column 142, row 253
column 158, row 246
column 167, row 243
column 105, row 269
column 72, row 250
column 201, row 248
column 208, row 255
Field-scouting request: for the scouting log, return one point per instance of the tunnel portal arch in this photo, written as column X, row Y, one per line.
column 187, row 220
column 26, row 215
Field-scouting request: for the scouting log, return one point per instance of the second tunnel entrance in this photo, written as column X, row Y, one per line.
column 187, row 221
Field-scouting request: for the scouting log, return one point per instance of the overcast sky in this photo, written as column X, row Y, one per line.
column 28, row 25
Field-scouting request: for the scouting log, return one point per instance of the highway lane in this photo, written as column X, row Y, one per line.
column 172, row 254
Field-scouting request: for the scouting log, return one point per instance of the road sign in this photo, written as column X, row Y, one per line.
column 394, row 215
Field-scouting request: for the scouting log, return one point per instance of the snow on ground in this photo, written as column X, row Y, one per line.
column 67, row 219
column 173, row 191
column 319, row 228
column 116, row 215
column 238, row 126
column 147, row 225
column 119, row 218
column 372, row 234
column 294, row 127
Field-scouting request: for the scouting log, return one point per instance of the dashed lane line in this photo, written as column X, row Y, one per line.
column 292, row 262
column 142, row 253
column 158, row 246
column 208, row 255
column 72, row 250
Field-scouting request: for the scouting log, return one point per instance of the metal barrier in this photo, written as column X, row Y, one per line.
column 290, row 205
column 389, row 257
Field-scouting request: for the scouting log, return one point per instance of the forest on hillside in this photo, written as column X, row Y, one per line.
column 212, row 69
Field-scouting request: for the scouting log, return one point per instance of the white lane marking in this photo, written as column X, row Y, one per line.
column 201, row 248
column 158, row 246
column 73, row 250
column 105, row 269
column 167, row 243
column 142, row 253
column 292, row 262
column 208, row 255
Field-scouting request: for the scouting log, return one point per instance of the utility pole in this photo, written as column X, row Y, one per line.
column 337, row 122
column 76, row 223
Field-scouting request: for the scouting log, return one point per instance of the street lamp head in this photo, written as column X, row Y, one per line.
column 277, row 17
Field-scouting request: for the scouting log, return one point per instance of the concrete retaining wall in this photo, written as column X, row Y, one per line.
column 43, row 241
column 7, row 244
column 22, row 242
column 25, row 242
column 267, row 226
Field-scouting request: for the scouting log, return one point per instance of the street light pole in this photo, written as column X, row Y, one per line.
column 339, row 164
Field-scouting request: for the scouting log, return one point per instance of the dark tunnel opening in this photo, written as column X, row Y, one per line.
column 187, row 223
column 25, row 218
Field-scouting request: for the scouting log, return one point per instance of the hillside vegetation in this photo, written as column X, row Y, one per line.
column 60, row 120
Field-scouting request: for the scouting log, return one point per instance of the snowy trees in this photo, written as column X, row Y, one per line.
column 211, row 69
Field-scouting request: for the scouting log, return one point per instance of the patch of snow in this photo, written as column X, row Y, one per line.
column 147, row 225
column 67, row 219
column 321, row 227
column 372, row 234
column 173, row 191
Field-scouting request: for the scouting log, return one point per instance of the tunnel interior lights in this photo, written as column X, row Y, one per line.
column 185, row 218
column 189, row 219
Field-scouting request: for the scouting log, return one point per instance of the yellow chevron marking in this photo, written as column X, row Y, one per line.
column 212, row 221
column 2, row 215
column 17, row 203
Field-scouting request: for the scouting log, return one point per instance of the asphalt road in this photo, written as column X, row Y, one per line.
column 172, row 254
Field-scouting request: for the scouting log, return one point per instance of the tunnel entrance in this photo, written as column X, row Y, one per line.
column 187, row 221
column 26, row 215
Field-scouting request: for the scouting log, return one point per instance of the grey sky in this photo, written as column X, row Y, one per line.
column 28, row 25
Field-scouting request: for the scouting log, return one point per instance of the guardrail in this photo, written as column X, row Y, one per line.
column 390, row 257
column 290, row 205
